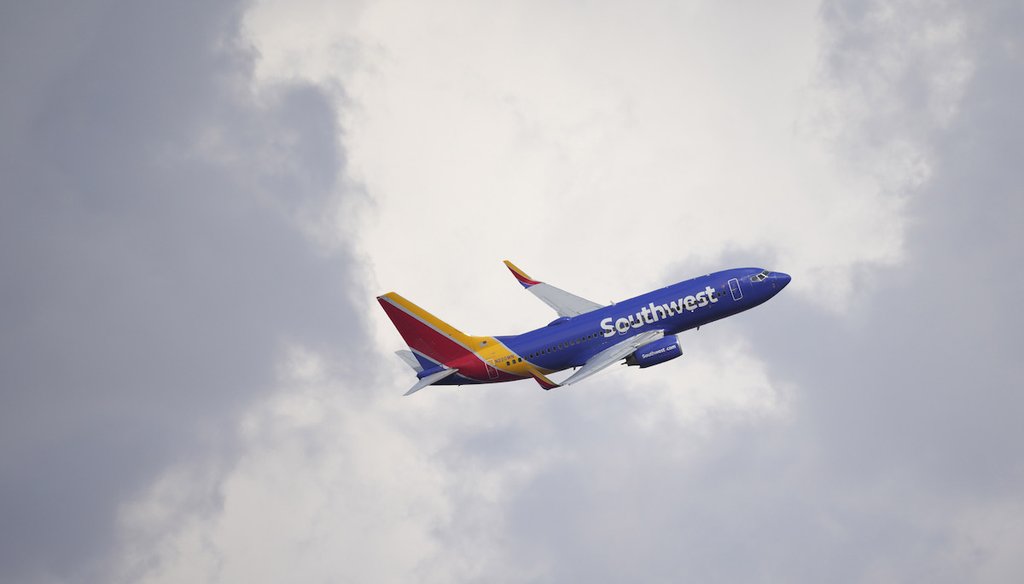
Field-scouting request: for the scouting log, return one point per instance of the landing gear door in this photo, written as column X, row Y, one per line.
column 492, row 371
column 734, row 288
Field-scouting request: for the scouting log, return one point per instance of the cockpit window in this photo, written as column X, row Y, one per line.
column 759, row 276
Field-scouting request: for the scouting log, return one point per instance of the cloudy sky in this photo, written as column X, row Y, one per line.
column 200, row 201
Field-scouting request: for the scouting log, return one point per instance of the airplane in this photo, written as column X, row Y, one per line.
column 588, row 336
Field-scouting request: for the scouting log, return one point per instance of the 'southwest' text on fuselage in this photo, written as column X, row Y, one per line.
column 652, row 313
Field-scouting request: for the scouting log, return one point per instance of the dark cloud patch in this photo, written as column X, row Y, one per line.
column 920, row 380
column 152, row 260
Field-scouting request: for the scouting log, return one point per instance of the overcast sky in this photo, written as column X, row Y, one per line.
column 200, row 201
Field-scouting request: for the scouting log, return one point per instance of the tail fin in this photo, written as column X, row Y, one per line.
column 432, row 340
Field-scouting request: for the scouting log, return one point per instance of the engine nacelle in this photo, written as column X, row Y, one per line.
column 659, row 351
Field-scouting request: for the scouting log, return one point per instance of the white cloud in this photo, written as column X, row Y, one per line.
column 727, row 384
column 335, row 487
column 601, row 145
column 327, row 488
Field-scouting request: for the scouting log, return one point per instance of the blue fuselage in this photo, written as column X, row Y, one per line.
column 570, row 342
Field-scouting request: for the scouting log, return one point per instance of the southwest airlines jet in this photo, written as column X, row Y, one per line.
column 586, row 335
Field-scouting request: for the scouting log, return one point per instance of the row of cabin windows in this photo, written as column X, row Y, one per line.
column 564, row 345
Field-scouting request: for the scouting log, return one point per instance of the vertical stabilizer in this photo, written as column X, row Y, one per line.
column 432, row 340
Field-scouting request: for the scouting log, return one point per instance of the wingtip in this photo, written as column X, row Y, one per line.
column 520, row 275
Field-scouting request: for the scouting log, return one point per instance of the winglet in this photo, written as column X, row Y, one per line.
column 564, row 303
column 521, row 275
column 542, row 380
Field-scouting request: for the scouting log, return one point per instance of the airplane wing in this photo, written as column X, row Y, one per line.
column 613, row 355
column 564, row 303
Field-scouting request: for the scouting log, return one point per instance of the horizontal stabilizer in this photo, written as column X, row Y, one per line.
column 410, row 360
column 430, row 380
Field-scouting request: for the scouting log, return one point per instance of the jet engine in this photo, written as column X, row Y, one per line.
column 664, row 349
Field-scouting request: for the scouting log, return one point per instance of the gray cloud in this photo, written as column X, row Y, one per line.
column 152, row 259
column 925, row 365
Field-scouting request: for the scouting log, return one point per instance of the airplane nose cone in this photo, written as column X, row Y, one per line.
column 781, row 280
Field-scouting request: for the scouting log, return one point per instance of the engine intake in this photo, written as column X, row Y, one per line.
column 657, row 352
